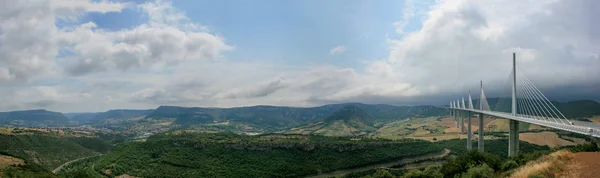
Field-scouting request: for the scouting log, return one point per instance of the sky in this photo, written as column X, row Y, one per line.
column 96, row 55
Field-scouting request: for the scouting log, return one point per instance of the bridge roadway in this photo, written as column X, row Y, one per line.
column 586, row 128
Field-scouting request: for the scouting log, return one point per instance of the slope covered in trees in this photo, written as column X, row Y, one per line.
column 33, row 118
column 50, row 150
column 231, row 155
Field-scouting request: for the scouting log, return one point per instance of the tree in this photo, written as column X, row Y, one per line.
column 382, row 173
column 481, row 171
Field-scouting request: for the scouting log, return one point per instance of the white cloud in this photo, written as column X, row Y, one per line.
column 462, row 42
column 170, row 60
column 30, row 39
column 337, row 50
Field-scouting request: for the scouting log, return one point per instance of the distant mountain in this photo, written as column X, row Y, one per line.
column 118, row 119
column 33, row 118
column 81, row 118
column 261, row 117
column 349, row 113
column 580, row 108
column 271, row 118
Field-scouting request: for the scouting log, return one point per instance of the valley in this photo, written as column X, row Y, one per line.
column 342, row 140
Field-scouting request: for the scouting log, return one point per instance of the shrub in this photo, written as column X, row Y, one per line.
column 481, row 171
column 508, row 165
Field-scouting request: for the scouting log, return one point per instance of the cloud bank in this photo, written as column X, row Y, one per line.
column 171, row 60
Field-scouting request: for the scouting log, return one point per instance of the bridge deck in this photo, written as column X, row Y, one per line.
column 586, row 128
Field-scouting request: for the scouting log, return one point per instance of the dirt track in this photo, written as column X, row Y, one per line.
column 67, row 163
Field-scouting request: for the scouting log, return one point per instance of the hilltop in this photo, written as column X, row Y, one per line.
column 349, row 120
column 33, row 118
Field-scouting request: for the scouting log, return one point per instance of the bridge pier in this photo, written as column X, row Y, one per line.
column 513, row 138
column 469, row 132
column 462, row 123
column 456, row 118
column 480, row 140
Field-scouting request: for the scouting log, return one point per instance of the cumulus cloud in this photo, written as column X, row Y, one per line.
column 168, row 36
column 337, row 50
column 31, row 41
column 462, row 42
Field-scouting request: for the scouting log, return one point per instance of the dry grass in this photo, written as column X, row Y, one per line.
column 6, row 130
column 452, row 130
column 558, row 164
column 6, row 161
column 595, row 119
column 550, row 139
column 125, row 176
column 576, row 140
column 438, row 137
column 448, row 122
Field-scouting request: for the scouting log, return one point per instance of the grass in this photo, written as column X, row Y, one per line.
column 595, row 119
column 557, row 164
column 419, row 128
column 550, row 139
column 6, row 161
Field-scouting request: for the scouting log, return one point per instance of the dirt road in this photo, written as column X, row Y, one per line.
column 67, row 163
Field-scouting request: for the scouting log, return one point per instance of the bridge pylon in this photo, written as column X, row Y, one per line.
column 513, row 130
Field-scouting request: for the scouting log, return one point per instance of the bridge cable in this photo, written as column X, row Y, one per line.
column 529, row 104
column 542, row 100
column 525, row 102
column 535, row 100
column 546, row 99
column 532, row 111
column 502, row 98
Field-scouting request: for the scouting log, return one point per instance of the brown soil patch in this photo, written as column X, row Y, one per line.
column 452, row 130
column 125, row 176
column 576, row 140
column 486, row 121
column 107, row 172
column 544, row 138
column 448, row 122
column 589, row 162
column 595, row 119
column 6, row 161
column 535, row 127
column 421, row 131
column 438, row 137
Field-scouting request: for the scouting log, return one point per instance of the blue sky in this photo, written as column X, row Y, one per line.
column 291, row 32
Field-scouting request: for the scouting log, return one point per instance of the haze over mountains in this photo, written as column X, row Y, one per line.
column 337, row 119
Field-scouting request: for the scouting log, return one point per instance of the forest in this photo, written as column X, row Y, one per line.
column 232, row 155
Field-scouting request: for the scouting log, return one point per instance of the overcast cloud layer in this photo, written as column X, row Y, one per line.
column 172, row 60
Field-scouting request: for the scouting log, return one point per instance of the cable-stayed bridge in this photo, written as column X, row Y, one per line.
column 528, row 105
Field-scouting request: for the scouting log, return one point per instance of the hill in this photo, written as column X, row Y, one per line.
column 49, row 148
column 232, row 155
column 119, row 119
column 33, row 118
column 273, row 118
column 81, row 118
column 241, row 118
column 346, row 121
